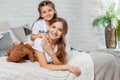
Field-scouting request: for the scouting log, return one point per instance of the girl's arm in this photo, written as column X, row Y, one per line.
column 40, row 35
column 43, row 63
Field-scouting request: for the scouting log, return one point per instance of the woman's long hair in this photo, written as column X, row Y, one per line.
column 61, row 53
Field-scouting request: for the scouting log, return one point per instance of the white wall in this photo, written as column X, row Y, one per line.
column 79, row 14
column 19, row 12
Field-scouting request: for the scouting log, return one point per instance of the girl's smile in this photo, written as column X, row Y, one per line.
column 47, row 12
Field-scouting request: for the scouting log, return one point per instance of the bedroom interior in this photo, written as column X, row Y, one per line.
column 88, row 44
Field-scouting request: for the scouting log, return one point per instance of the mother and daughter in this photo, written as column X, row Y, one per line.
column 48, row 36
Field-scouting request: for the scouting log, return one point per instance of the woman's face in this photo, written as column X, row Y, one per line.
column 47, row 12
column 56, row 30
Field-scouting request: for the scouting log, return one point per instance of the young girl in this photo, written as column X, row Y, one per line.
column 51, row 52
column 47, row 12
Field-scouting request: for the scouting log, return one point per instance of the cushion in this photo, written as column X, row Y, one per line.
column 27, row 31
column 6, row 41
column 14, row 38
column 5, row 27
column 22, row 32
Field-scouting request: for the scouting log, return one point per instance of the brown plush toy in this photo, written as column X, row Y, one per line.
column 20, row 52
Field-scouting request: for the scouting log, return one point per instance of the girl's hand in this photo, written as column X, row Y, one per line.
column 43, row 35
column 75, row 70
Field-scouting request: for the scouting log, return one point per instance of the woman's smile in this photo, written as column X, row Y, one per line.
column 56, row 30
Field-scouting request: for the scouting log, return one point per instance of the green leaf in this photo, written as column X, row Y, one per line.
column 97, row 21
column 111, row 17
column 118, row 30
column 111, row 8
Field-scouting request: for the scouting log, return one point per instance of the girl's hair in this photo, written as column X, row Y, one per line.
column 61, row 53
column 45, row 3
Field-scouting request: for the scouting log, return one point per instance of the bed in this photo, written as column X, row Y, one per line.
column 32, row 71
column 93, row 65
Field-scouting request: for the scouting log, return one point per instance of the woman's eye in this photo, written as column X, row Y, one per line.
column 60, row 30
column 53, row 26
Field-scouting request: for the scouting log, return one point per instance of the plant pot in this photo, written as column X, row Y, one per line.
column 110, row 37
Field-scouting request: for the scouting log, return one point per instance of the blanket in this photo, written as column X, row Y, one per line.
column 32, row 71
column 105, row 66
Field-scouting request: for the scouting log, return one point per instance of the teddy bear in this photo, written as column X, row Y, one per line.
column 20, row 52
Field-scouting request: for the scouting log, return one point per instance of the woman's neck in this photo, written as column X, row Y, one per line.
column 52, row 42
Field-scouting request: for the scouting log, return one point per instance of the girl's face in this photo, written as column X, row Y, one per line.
column 47, row 12
column 56, row 30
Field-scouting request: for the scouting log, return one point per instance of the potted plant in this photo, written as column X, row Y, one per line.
column 110, row 21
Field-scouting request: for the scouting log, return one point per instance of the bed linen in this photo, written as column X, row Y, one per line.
column 32, row 71
column 106, row 67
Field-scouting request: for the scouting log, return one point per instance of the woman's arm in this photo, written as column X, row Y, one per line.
column 47, row 47
column 43, row 63
column 55, row 60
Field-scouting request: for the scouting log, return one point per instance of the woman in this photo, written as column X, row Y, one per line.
column 51, row 52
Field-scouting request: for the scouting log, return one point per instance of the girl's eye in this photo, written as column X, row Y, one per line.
column 50, row 10
column 44, row 12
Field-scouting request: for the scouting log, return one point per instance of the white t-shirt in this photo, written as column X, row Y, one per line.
column 39, row 27
column 37, row 46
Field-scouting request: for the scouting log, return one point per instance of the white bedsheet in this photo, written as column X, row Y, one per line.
column 32, row 71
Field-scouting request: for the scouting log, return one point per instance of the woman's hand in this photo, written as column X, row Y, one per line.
column 75, row 70
column 46, row 45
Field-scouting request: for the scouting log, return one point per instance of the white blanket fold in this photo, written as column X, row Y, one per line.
column 84, row 62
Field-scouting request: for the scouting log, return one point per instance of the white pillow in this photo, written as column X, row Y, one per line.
column 5, row 27
column 20, row 32
column 29, row 40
